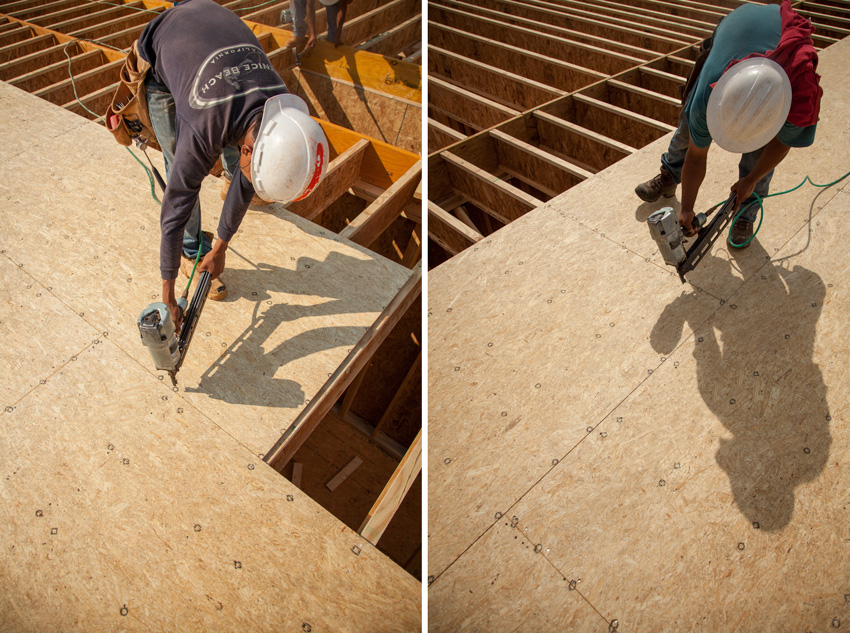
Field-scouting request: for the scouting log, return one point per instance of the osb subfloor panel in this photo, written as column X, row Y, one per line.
column 78, row 217
column 674, row 453
column 127, row 505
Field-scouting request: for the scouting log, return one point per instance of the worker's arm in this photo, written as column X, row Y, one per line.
column 693, row 173
column 340, row 21
column 773, row 154
column 310, row 18
column 188, row 170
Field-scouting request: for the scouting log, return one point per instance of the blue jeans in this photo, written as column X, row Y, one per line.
column 162, row 112
column 674, row 158
column 299, row 21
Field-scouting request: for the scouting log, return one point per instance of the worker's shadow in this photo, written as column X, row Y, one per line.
column 246, row 371
column 756, row 373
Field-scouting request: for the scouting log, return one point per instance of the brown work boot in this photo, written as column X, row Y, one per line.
column 662, row 185
column 742, row 231
column 256, row 200
column 218, row 289
column 296, row 42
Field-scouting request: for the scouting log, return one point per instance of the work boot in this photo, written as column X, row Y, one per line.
column 256, row 200
column 742, row 231
column 296, row 42
column 662, row 185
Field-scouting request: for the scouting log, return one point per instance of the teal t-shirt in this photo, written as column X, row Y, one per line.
column 751, row 28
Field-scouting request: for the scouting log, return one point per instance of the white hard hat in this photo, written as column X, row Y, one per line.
column 749, row 105
column 290, row 151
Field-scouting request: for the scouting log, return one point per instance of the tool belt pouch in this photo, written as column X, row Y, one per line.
column 127, row 116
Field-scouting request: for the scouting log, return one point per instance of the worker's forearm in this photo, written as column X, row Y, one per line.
column 773, row 154
column 693, row 173
column 168, row 295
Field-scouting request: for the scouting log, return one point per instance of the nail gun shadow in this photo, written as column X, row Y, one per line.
column 756, row 374
column 247, row 370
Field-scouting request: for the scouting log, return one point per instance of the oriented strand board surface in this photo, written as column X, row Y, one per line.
column 676, row 451
column 163, row 515
column 299, row 298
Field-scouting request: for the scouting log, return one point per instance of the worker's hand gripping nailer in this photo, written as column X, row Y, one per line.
column 156, row 327
column 668, row 235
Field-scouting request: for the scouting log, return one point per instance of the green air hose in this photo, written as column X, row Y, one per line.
column 761, row 207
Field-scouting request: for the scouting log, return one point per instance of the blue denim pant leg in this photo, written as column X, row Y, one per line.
column 674, row 158
column 163, row 116
column 299, row 17
column 332, row 10
column 762, row 188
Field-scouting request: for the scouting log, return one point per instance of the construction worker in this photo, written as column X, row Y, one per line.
column 212, row 91
column 754, row 91
column 304, row 22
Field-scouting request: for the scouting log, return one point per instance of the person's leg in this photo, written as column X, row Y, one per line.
column 299, row 18
column 674, row 158
column 664, row 184
column 331, row 11
column 762, row 188
column 162, row 113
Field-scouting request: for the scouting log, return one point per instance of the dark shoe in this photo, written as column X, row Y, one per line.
column 662, row 185
column 742, row 231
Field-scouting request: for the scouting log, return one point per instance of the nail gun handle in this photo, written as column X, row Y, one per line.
column 706, row 238
column 193, row 313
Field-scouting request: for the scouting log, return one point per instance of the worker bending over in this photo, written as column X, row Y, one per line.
column 754, row 91
column 212, row 91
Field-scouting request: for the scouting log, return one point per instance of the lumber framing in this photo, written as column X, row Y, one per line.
column 343, row 172
column 296, row 434
column 461, row 104
column 591, row 57
column 393, row 493
column 591, row 83
column 367, row 226
column 449, row 232
column 551, row 18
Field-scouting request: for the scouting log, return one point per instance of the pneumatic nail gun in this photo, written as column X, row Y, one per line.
column 668, row 235
column 158, row 331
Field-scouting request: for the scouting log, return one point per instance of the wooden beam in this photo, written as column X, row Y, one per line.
column 588, row 56
column 383, row 163
column 351, row 393
column 449, row 232
column 393, row 494
column 298, row 432
column 375, row 218
column 409, row 379
column 365, row 27
column 552, row 18
column 454, row 100
column 51, row 73
column 508, row 87
column 638, row 99
column 413, row 252
column 85, row 82
column 370, row 193
column 500, row 199
column 537, row 165
column 342, row 172
column 393, row 41
column 572, row 128
column 441, row 135
column 561, row 75
column 31, row 46
column 618, row 123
